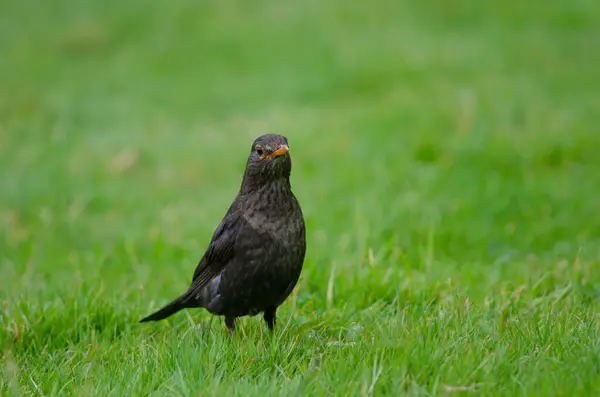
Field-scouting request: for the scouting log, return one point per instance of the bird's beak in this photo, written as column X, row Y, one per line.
column 281, row 151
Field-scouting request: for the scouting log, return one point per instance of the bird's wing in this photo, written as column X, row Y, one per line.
column 219, row 252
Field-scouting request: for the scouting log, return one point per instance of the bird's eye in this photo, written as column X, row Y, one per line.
column 259, row 150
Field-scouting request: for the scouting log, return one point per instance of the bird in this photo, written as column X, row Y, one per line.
column 256, row 254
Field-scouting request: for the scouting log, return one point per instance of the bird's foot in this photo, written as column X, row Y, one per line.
column 230, row 323
column 270, row 318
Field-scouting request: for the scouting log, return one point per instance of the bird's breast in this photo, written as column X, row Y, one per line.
column 284, row 226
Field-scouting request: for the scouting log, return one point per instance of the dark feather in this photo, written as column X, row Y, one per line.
column 255, row 255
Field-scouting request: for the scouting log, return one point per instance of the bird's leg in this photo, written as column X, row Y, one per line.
column 270, row 317
column 230, row 323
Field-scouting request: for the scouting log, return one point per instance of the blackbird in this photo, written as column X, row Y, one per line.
column 255, row 257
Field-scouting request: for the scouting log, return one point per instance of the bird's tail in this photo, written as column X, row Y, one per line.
column 181, row 302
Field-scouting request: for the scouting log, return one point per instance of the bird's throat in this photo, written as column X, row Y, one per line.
column 256, row 183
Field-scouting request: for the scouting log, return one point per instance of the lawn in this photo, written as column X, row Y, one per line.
column 445, row 155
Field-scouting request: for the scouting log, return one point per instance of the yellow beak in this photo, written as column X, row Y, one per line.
column 281, row 151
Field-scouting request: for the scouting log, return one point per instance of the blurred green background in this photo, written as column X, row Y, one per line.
column 433, row 140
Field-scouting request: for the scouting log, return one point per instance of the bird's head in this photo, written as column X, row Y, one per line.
column 269, row 159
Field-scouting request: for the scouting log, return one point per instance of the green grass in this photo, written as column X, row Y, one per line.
column 445, row 154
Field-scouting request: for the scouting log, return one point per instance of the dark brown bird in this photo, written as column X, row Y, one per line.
column 256, row 254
